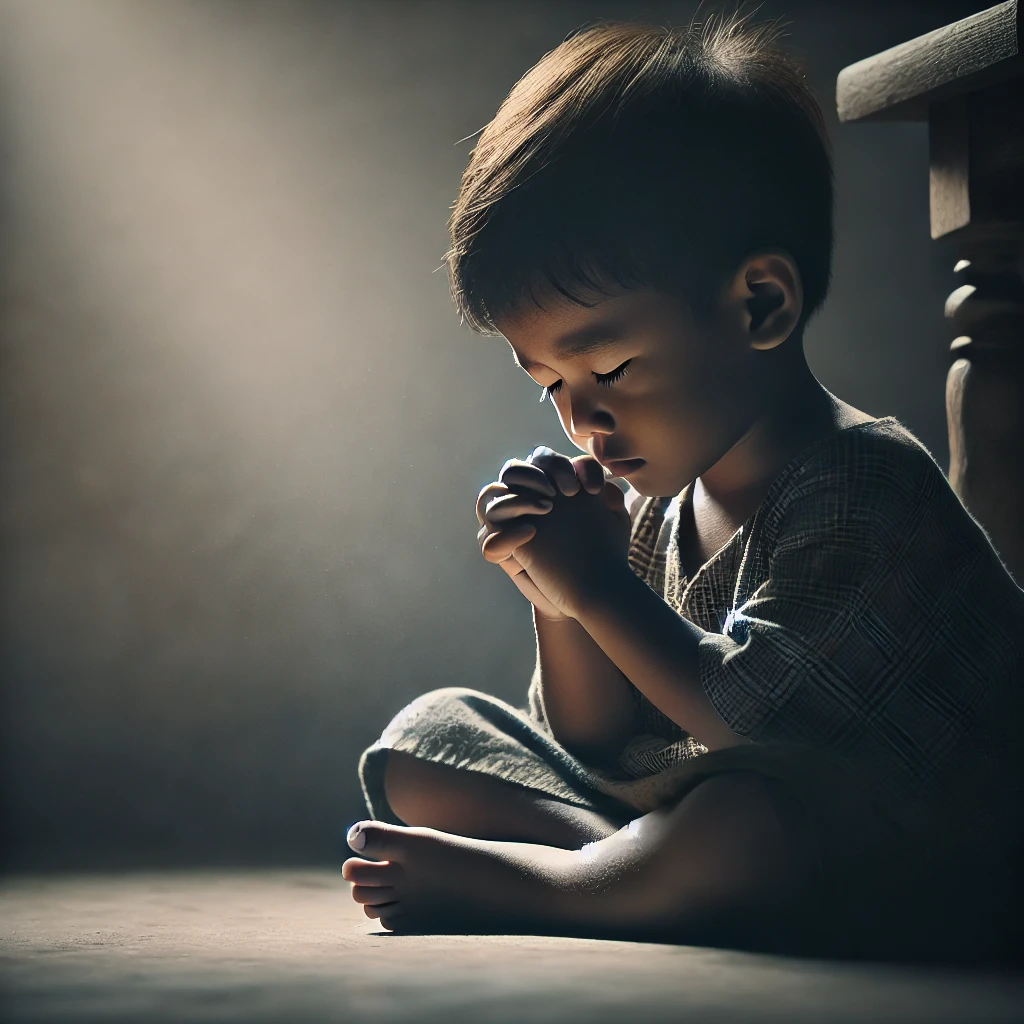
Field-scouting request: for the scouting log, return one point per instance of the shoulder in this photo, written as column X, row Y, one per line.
column 876, row 495
column 872, row 460
column 876, row 474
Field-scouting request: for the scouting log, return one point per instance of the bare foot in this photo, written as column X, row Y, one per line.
column 422, row 878
column 720, row 867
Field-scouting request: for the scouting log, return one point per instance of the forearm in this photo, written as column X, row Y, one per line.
column 587, row 700
column 657, row 650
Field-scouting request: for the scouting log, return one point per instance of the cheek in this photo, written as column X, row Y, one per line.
column 689, row 392
column 673, row 401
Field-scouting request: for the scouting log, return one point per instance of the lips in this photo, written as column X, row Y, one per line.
column 620, row 467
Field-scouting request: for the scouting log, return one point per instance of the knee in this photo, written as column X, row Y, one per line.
column 443, row 697
column 431, row 711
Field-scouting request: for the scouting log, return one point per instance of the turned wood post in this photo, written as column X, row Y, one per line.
column 965, row 80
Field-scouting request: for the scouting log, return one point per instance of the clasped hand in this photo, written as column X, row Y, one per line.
column 557, row 527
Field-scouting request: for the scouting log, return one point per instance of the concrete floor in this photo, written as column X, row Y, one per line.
column 289, row 946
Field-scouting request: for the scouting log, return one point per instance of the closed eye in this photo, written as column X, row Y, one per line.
column 607, row 379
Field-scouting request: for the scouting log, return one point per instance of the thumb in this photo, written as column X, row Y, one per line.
column 590, row 473
column 613, row 497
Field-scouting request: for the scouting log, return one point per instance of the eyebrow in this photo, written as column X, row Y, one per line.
column 585, row 341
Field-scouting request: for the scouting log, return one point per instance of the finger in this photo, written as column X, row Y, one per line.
column 558, row 467
column 497, row 490
column 590, row 473
column 509, row 506
column 509, row 563
column 492, row 490
column 519, row 478
column 613, row 497
column 500, row 545
column 518, row 472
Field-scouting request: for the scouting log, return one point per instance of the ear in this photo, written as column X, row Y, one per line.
column 767, row 297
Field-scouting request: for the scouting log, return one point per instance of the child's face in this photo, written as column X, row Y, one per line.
column 681, row 402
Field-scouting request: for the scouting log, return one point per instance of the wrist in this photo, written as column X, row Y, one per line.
column 604, row 590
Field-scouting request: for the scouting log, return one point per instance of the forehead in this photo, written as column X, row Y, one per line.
column 564, row 330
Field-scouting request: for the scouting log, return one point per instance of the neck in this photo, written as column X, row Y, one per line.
column 792, row 414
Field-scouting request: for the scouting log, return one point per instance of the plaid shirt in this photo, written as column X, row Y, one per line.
column 862, row 609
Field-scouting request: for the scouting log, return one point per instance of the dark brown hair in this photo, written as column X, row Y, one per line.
column 647, row 156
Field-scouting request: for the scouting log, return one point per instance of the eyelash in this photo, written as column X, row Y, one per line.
column 607, row 379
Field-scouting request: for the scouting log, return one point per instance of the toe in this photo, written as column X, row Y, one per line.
column 391, row 918
column 371, row 895
column 380, row 910
column 370, row 872
column 377, row 839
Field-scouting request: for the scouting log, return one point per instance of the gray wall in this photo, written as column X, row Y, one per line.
column 242, row 428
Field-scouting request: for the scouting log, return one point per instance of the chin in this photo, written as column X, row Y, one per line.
column 641, row 482
column 651, row 486
column 648, row 482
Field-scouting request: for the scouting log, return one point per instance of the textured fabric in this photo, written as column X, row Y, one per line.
column 861, row 609
column 861, row 630
column 466, row 729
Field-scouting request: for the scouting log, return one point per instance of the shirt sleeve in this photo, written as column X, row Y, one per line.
column 811, row 652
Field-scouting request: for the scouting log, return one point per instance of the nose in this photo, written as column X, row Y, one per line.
column 587, row 418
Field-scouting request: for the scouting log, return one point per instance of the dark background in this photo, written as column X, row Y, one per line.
column 242, row 428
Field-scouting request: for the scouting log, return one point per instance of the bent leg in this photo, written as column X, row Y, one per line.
column 468, row 803
column 733, row 863
column 544, row 781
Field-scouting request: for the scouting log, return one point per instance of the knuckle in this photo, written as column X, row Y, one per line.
column 521, row 475
column 495, row 487
column 546, row 457
column 489, row 496
column 498, row 504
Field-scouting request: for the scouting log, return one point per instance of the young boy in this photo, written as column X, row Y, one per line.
column 775, row 683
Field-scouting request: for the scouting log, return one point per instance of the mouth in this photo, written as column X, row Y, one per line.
column 624, row 467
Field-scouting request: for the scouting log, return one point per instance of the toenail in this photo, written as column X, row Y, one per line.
column 356, row 837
